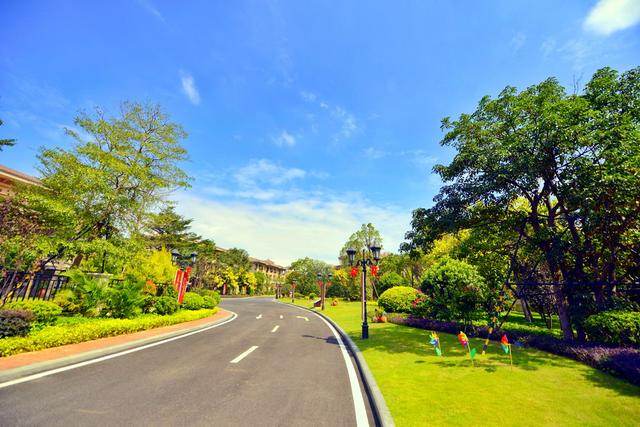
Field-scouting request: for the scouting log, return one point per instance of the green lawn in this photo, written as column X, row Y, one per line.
column 542, row 389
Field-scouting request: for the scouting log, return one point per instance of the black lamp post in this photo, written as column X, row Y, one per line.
column 183, row 261
column 363, row 263
column 323, row 286
column 293, row 290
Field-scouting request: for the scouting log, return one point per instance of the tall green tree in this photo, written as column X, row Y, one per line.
column 304, row 271
column 573, row 158
column 236, row 258
column 6, row 142
column 117, row 172
column 170, row 230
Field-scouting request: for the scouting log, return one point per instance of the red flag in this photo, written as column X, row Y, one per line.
column 354, row 271
column 374, row 270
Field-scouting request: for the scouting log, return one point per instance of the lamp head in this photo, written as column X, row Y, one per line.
column 351, row 254
column 375, row 251
column 194, row 257
column 175, row 254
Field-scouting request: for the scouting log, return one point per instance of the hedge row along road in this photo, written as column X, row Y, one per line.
column 268, row 367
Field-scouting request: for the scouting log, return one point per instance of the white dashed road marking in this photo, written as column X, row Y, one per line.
column 243, row 355
column 275, row 328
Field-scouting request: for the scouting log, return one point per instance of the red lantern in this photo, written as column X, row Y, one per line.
column 374, row 270
column 354, row 271
column 320, row 283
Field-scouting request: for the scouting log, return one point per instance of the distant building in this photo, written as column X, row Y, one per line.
column 268, row 267
column 275, row 272
column 9, row 178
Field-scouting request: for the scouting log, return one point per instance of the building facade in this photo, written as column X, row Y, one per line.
column 9, row 178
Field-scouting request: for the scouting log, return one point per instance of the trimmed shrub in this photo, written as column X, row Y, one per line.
column 45, row 312
column 209, row 302
column 166, row 305
column 15, row 322
column 614, row 327
column 398, row 299
column 210, row 293
column 455, row 290
column 389, row 280
column 312, row 296
column 92, row 329
column 192, row 301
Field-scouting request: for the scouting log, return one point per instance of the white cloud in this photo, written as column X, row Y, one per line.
column 308, row 96
column 265, row 171
column 260, row 207
column 313, row 225
column 189, row 87
column 374, row 153
column 348, row 123
column 285, row 138
column 609, row 16
column 152, row 9
column 517, row 41
column 548, row 47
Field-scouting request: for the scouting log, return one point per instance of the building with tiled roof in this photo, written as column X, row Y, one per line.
column 10, row 177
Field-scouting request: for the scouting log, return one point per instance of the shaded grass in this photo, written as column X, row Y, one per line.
column 541, row 389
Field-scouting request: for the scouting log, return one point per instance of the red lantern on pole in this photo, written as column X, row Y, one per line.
column 354, row 271
column 374, row 270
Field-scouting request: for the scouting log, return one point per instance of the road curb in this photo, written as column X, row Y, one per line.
column 381, row 412
column 36, row 368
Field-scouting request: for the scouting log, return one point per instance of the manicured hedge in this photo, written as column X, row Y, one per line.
column 54, row 336
column 398, row 299
column 44, row 311
column 15, row 322
column 192, row 301
column 614, row 327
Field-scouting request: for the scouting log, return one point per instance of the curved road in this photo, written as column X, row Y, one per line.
column 268, row 367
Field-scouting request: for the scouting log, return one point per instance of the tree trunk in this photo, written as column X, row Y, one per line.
column 563, row 312
column 526, row 310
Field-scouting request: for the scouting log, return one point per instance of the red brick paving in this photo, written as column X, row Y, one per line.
column 48, row 354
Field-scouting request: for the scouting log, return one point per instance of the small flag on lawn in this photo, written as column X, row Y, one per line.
column 435, row 342
column 505, row 344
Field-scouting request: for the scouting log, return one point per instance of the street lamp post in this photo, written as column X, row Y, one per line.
column 293, row 290
column 323, row 286
column 363, row 263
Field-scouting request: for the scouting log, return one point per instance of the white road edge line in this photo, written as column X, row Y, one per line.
column 275, row 328
column 110, row 356
column 259, row 316
column 243, row 355
column 358, row 400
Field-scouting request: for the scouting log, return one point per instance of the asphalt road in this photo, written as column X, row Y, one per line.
column 296, row 375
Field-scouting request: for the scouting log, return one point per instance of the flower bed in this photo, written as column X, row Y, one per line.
column 623, row 362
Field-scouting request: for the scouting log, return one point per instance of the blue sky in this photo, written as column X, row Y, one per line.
column 305, row 119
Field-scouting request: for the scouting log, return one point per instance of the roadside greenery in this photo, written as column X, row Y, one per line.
column 423, row 389
column 545, row 182
column 91, row 329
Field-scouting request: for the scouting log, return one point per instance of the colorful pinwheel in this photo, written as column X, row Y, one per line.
column 435, row 342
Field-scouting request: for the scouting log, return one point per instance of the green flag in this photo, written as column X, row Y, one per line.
column 438, row 352
column 472, row 353
column 505, row 348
